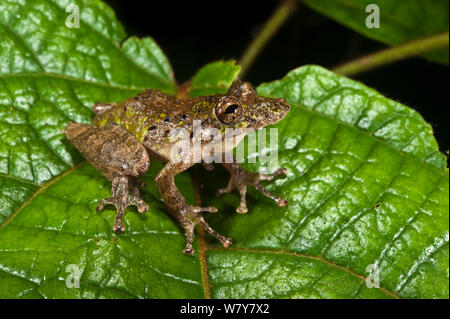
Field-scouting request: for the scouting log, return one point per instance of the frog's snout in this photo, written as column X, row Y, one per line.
column 282, row 108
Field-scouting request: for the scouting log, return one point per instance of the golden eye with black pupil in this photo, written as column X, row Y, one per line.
column 229, row 110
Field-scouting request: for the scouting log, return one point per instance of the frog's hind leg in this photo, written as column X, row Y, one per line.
column 120, row 157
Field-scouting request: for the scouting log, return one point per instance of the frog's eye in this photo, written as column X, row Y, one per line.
column 229, row 110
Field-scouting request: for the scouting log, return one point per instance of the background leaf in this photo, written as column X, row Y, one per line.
column 214, row 78
column 400, row 21
column 366, row 182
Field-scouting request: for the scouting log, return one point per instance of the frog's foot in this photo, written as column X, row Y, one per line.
column 135, row 198
column 241, row 179
column 123, row 194
column 187, row 215
column 190, row 217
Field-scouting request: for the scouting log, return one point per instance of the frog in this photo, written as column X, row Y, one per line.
column 125, row 136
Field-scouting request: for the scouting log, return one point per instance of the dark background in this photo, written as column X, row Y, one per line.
column 193, row 33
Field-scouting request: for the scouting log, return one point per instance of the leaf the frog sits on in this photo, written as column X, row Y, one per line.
column 124, row 136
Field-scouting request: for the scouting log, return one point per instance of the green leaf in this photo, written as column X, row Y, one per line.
column 49, row 75
column 214, row 78
column 263, row 274
column 366, row 182
column 400, row 21
column 59, row 226
column 366, row 185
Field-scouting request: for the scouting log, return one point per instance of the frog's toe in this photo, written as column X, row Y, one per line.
column 101, row 206
column 193, row 218
column 105, row 201
column 118, row 226
column 227, row 189
column 269, row 177
column 135, row 199
column 188, row 251
column 280, row 202
column 225, row 241
column 221, row 191
column 142, row 206
column 242, row 209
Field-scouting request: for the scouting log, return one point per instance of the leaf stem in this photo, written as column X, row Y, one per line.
column 272, row 25
column 394, row 54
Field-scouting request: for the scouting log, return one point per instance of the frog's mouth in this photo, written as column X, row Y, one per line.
column 266, row 112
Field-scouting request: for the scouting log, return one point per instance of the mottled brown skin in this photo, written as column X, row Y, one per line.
column 125, row 135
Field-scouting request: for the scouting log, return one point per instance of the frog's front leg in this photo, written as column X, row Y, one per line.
column 187, row 215
column 240, row 179
column 120, row 157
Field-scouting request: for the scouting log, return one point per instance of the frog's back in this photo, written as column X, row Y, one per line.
column 152, row 115
column 141, row 113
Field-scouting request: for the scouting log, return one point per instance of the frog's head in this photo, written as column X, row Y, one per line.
column 241, row 106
